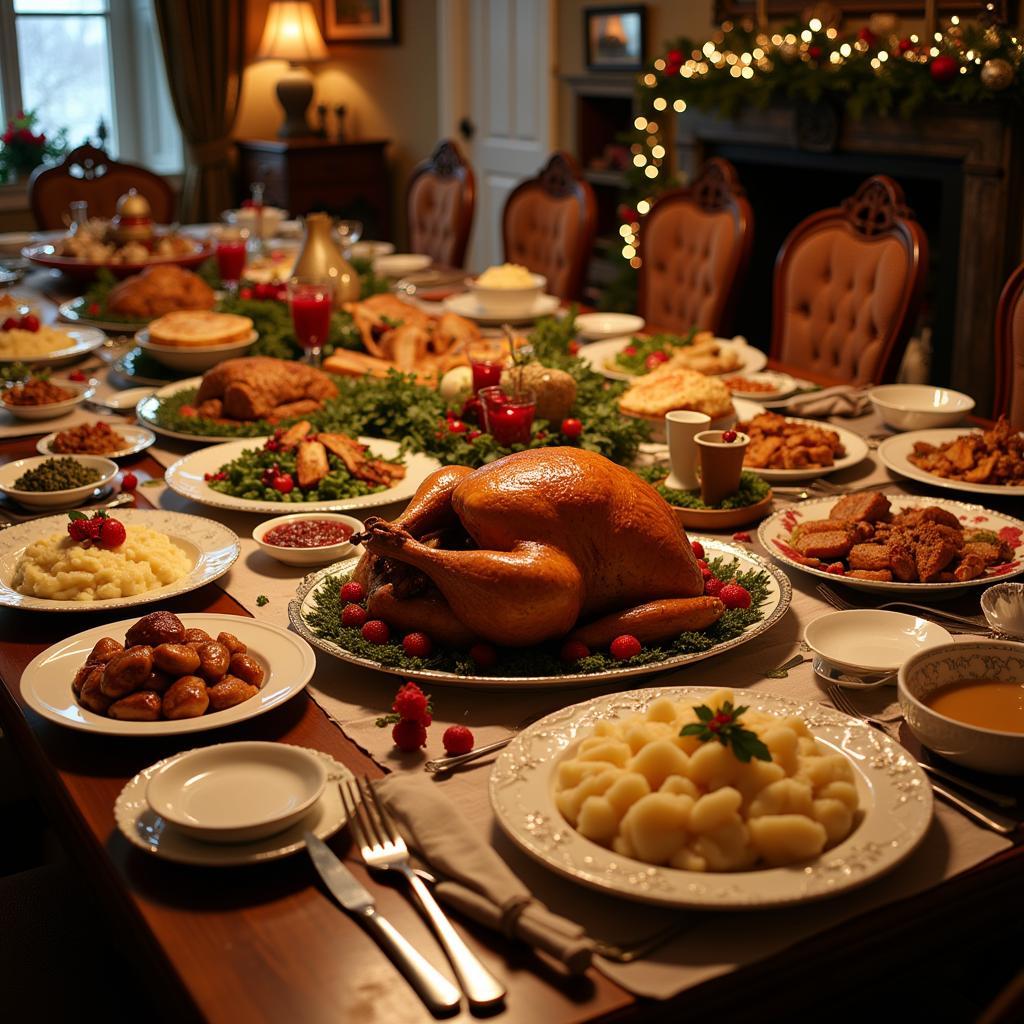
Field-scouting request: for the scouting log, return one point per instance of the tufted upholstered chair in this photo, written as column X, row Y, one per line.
column 89, row 173
column 549, row 223
column 440, row 202
column 1009, row 396
column 694, row 251
column 848, row 284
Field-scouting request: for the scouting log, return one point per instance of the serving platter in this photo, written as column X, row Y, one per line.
column 71, row 312
column 893, row 452
column 775, row 531
column 895, row 801
column 138, row 438
column 598, row 354
column 145, row 829
column 47, row 255
column 147, row 410
column 211, row 547
column 83, row 340
column 780, row 593
column 187, row 478
column 856, row 452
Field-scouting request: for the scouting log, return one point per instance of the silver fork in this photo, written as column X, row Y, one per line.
column 999, row 823
column 955, row 623
column 381, row 846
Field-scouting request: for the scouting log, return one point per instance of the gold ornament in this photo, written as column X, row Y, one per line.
column 133, row 221
column 996, row 74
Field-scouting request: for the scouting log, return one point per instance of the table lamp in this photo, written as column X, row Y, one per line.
column 292, row 34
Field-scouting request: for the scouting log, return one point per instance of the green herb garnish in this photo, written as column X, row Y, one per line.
column 723, row 725
column 261, row 600
column 633, row 358
column 751, row 490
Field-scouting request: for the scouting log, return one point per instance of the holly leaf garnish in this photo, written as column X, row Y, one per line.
column 723, row 725
column 75, row 516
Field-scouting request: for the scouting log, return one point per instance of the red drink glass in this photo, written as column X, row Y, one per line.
column 311, row 304
column 508, row 416
column 231, row 255
column 487, row 360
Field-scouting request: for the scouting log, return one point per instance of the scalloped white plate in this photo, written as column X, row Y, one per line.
column 895, row 801
column 138, row 438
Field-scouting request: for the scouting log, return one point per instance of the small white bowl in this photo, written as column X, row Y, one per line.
column 246, row 217
column 368, row 249
column 193, row 359
column 919, row 406
column 51, row 410
column 307, row 556
column 867, row 640
column 987, row 750
column 10, row 472
column 399, row 264
column 510, row 302
column 597, row 326
column 1003, row 605
column 237, row 792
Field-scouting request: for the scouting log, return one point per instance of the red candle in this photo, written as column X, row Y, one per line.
column 508, row 417
column 486, row 373
column 231, row 259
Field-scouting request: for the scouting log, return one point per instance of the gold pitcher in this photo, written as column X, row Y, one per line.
column 320, row 258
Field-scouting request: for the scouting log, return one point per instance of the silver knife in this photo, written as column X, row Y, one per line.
column 436, row 991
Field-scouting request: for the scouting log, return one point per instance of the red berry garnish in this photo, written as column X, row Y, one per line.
column 112, row 534
column 572, row 428
column 353, row 615
column 574, row 347
column 712, row 586
column 376, row 632
column 78, row 530
column 457, row 739
column 29, row 322
column 456, row 427
column 742, row 536
column 352, row 591
column 733, row 595
column 9, row 324
column 484, row 655
column 283, row 483
column 411, row 702
column 473, row 435
column 93, row 309
column 77, row 375
column 409, row 735
column 698, row 548
column 129, row 481
column 417, row 645
column 836, row 568
column 728, row 436
column 629, row 350
column 705, row 570
column 573, row 650
column 625, row 646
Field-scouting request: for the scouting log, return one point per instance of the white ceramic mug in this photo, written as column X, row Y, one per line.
column 680, row 429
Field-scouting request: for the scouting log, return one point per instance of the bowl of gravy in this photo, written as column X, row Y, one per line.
column 965, row 701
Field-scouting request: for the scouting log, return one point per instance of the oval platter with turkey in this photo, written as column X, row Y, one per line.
column 529, row 572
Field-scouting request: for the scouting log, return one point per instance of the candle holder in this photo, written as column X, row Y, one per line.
column 508, row 415
column 721, row 463
column 487, row 360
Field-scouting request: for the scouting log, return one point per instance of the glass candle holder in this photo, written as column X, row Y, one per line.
column 231, row 252
column 508, row 416
column 487, row 360
column 311, row 303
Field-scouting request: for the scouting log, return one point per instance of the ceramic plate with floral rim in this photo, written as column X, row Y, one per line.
column 894, row 796
column 774, row 533
column 306, row 615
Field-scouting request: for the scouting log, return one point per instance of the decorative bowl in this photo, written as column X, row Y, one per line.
column 325, row 555
column 510, row 302
column 51, row 410
column 1003, row 605
column 919, row 406
column 871, row 640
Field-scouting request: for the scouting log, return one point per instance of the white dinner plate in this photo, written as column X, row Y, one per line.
column 895, row 810
column 286, row 658
column 138, row 438
column 81, row 341
column 186, row 477
column 856, row 451
column 302, row 607
column 775, row 531
column 893, row 452
column 210, row 547
column 598, row 354
column 145, row 829
column 466, row 304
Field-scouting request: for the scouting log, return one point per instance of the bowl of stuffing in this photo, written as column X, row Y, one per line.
column 44, row 398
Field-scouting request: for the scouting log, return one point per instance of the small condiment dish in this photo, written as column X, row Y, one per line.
column 398, row 264
column 324, row 555
column 237, row 792
column 598, row 326
column 81, row 390
column 974, row 746
column 510, row 302
column 67, row 498
column 865, row 641
column 919, row 406
column 1003, row 607
column 123, row 401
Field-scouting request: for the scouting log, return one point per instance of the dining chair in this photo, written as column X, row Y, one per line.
column 848, row 285
column 1009, row 383
column 548, row 225
column 89, row 174
column 440, row 201
column 694, row 250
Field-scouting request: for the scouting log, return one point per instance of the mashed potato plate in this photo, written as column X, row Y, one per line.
column 608, row 794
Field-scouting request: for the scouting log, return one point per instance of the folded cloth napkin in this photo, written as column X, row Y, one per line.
column 842, row 400
column 477, row 881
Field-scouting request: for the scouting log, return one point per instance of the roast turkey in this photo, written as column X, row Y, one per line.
column 261, row 388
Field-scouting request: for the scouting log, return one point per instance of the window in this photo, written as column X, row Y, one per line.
column 79, row 62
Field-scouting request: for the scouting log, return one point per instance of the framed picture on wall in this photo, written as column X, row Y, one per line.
column 615, row 37
column 360, row 21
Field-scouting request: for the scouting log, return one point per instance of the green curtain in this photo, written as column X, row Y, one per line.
column 203, row 43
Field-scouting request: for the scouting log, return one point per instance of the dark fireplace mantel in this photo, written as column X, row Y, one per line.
column 965, row 164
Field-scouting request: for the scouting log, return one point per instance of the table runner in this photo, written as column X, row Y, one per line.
column 710, row 944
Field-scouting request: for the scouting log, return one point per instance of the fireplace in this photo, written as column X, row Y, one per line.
column 956, row 167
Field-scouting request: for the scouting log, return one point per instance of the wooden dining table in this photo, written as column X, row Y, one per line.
column 266, row 943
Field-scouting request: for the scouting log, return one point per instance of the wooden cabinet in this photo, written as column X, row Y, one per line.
column 347, row 179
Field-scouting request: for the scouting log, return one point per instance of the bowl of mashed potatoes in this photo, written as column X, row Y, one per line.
column 507, row 290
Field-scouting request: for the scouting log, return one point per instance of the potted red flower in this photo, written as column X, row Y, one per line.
column 23, row 148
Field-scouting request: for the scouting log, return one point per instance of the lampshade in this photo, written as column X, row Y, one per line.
column 292, row 33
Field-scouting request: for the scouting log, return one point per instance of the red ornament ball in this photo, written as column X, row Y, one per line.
column 625, row 646
column 572, row 428
column 944, row 68
column 457, row 739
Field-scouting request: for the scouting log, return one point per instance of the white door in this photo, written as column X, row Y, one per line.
column 497, row 60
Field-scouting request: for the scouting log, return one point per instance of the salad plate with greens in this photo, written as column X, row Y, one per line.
column 633, row 356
